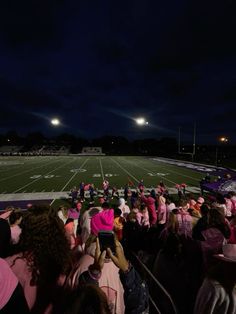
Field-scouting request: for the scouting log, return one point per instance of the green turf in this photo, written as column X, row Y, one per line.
column 38, row 174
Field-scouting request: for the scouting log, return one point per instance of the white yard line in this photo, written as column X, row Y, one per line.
column 20, row 173
column 100, row 162
column 52, row 201
column 187, row 189
column 183, row 175
column 118, row 164
column 21, row 164
column 73, row 175
column 43, row 175
column 151, row 172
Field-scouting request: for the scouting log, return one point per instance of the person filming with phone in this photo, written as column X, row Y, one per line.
column 107, row 266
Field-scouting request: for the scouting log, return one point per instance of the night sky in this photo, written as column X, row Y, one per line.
column 97, row 65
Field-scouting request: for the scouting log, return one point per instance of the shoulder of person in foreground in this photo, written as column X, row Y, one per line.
column 211, row 297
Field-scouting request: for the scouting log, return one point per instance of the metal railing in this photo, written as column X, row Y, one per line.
column 160, row 300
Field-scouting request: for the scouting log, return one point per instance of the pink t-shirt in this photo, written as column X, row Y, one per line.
column 109, row 282
column 8, row 283
column 21, row 270
column 143, row 218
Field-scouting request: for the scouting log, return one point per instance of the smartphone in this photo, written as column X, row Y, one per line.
column 106, row 240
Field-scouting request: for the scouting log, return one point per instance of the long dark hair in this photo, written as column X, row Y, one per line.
column 44, row 245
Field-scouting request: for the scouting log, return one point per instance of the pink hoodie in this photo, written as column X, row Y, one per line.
column 150, row 202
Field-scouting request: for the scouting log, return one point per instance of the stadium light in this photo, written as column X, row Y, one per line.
column 141, row 121
column 55, row 122
column 223, row 139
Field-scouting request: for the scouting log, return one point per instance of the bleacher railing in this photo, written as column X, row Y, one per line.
column 160, row 300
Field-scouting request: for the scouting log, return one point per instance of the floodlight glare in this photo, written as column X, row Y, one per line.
column 223, row 139
column 140, row 121
column 55, row 121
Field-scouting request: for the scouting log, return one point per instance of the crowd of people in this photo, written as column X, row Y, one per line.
column 54, row 261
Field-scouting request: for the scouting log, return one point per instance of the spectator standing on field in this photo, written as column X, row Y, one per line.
column 105, row 186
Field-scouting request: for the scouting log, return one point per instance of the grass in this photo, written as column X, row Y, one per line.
column 61, row 173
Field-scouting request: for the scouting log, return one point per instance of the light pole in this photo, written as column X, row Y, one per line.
column 222, row 139
column 194, row 142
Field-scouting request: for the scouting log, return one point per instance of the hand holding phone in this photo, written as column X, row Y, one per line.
column 118, row 257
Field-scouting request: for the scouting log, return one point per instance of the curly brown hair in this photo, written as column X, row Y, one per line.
column 44, row 245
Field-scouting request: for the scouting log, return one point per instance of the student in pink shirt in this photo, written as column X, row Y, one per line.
column 43, row 257
column 143, row 216
column 12, row 299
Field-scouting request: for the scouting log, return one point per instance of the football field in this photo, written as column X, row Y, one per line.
column 60, row 173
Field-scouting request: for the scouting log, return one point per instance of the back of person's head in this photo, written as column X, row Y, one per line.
column 153, row 193
column 44, row 244
column 5, row 237
column 220, row 199
column 231, row 194
column 169, row 200
column 216, row 216
column 183, row 203
column 137, row 204
column 228, row 196
column 191, row 211
column 69, row 220
column 204, row 209
column 175, row 211
column 117, row 212
column 143, row 207
column 131, row 216
column 105, row 205
column 172, row 246
column 134, row 194
column 88, row 299
column 15, row 217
